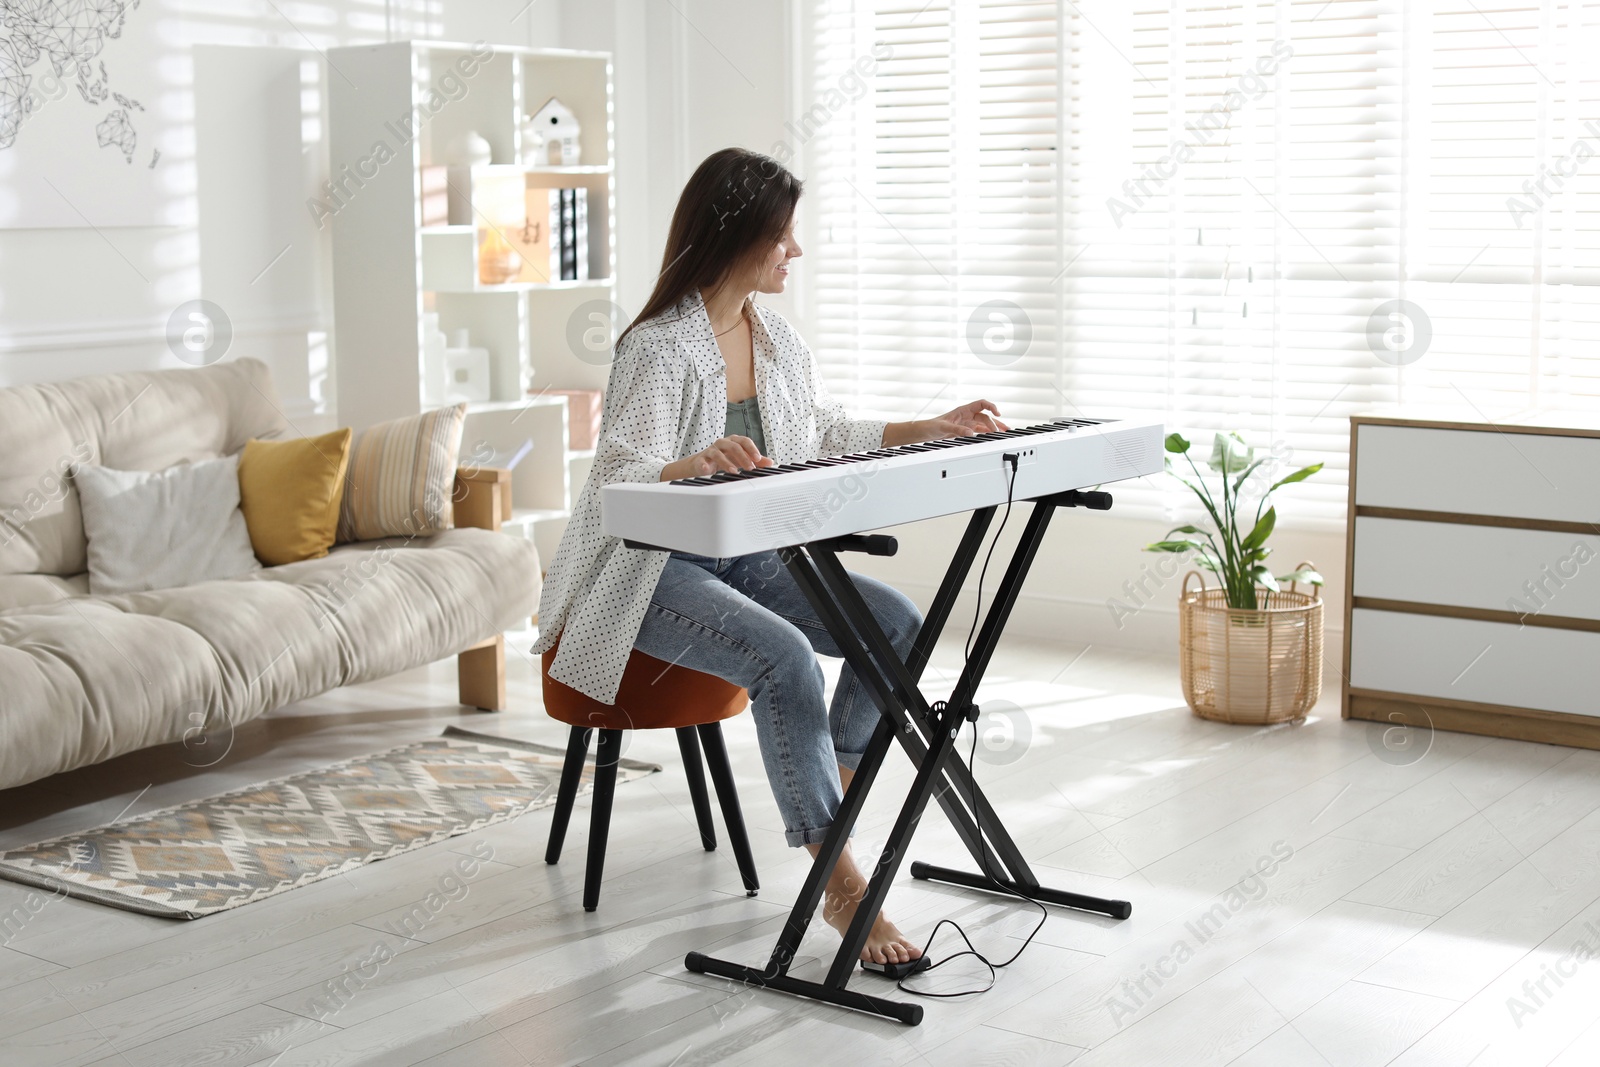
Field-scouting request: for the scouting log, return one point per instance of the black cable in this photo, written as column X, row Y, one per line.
column 1011, row 461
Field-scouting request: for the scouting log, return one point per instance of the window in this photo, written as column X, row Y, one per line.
column 1256, row 216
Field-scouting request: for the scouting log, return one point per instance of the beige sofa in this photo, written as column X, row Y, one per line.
column 85, row 678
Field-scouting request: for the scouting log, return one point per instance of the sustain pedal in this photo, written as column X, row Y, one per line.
column 898, row 971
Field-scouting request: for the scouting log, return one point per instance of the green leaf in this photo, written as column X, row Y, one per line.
column 1185, row 529
column 1258, row 536
column 1298, row 476
column 1177, row 443
column 1175, row 546
column 1248, row 471
column 1229, row 453
column 1206, row 563
column 1262, row 576
column 1205, row 501
column 1304, row 574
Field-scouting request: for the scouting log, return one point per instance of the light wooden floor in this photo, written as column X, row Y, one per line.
column 1415, row 898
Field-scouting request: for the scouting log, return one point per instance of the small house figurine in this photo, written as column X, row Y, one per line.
column 550, row 136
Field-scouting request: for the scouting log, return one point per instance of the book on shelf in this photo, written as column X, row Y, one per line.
column 574, row 234
column 584, row 409
column 435, row 186
column 581, row 234
column 538, row 241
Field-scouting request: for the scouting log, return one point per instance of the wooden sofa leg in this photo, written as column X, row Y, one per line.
column 481, row 670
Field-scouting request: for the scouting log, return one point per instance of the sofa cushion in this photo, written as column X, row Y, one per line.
column 94, row 677
column 24, row 590
column 156, row 529
column 142, row 421
column 402, row 477
column 290, row 491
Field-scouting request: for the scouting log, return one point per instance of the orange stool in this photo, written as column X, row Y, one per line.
column 654, row 695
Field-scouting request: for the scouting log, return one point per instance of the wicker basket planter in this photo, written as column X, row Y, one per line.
column 1250, row 666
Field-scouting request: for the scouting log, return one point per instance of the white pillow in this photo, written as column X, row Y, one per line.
column 158, row 529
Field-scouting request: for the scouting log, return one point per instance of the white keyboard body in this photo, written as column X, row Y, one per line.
column 873, row 490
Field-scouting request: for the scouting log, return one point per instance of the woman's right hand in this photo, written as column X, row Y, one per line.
column 732, row 453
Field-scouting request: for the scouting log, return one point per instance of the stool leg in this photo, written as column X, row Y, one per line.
column 605, row 787
column 722, row 776
column 567, row 791
column 695, row 772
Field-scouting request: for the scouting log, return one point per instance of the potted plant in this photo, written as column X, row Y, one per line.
column 1251, row 650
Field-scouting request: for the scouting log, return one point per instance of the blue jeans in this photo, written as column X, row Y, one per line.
column 745, row 620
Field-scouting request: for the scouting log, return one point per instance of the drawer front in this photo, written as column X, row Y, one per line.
column 1499, row 568
column 1478, row 472
column 1483, row 662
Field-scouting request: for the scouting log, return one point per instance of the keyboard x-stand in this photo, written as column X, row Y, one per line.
column 927, row 733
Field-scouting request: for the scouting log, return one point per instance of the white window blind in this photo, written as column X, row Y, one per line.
column 1198, row 210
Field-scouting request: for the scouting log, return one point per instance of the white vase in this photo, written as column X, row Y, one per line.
column 467, row 375
column 433, row 346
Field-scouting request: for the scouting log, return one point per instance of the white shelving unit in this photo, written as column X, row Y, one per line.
column 388, row 269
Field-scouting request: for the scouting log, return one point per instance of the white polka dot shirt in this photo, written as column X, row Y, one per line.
column 667, row 399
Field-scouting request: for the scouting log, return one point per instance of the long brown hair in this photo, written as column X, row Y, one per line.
column 737, row 204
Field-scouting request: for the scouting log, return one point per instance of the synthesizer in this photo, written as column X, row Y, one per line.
column 736, row 513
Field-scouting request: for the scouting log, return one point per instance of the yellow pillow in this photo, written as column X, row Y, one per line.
column 290, row 493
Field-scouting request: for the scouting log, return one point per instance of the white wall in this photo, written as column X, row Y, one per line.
column 87, row 300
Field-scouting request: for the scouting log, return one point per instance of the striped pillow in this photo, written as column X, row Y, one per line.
column 402, row 476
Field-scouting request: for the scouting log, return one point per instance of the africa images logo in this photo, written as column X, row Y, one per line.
column 1135, row 993
column 450, row 86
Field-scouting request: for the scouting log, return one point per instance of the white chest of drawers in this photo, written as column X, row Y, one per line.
column 1473, row 575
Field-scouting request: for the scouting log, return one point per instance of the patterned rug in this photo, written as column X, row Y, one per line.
column 223, row 852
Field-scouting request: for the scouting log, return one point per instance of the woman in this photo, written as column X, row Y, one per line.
column 705, row 380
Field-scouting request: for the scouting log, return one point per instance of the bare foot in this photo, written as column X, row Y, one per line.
column 885, row 942
column 846, row 886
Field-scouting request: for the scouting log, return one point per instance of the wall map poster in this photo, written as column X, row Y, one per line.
column 85, row 91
